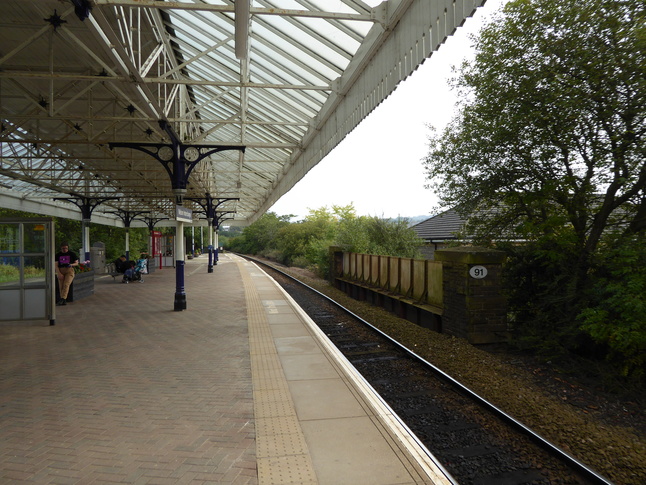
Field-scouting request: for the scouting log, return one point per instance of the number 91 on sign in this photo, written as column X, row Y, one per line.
column 478, row 272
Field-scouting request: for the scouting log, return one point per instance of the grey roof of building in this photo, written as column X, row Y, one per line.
column 440, row 227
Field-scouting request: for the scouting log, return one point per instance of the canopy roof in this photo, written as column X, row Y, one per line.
column 248, row 96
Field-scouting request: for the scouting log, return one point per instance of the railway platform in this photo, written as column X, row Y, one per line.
column 240, row 388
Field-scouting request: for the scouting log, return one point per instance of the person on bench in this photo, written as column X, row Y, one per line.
column 66, row 260
column 132, row 274
column 121, row 265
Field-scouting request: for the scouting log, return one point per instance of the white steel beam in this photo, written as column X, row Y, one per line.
column 167, row 5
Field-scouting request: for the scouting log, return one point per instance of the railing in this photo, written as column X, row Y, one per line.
column 417, row 279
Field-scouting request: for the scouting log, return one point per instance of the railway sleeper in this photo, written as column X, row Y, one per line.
column 450, row 427
column 369, row 359
column 407, row 395
column 354, row 345
column 513, row 477
column 471, row 451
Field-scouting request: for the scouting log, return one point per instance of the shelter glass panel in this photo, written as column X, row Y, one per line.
column 9, row 238
column 10, row 271
column 35, row 304
column 34, row 236
column 34, row 270
column 10, row 304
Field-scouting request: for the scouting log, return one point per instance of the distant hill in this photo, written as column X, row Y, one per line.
column 412, row 220
column 418, row 219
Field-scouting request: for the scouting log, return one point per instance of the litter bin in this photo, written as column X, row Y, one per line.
column 97, row 258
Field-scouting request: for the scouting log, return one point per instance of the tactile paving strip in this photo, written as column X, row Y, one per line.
column 282, row 454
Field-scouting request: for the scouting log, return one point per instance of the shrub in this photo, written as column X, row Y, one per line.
column 616, row 315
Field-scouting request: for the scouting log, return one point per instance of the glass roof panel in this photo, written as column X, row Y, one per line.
column 88, row 105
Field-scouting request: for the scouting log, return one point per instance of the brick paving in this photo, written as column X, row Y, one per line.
column 125, row 390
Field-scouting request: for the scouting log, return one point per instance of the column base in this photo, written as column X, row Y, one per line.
column 180, row 302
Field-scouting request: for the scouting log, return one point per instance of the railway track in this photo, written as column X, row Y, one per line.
column 476, row 442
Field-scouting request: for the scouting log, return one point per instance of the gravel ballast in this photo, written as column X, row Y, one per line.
column 604, row 431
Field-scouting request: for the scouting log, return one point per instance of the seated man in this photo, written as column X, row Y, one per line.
column 121, row 265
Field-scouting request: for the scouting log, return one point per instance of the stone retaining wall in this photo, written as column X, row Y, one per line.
column 460, row 293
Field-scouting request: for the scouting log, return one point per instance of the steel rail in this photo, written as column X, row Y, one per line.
column 568, row 459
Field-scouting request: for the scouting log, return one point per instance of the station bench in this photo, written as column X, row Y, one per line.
column 110, row 271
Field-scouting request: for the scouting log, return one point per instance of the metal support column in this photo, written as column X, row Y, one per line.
column 127, row 217
column 193, row 241
column 86, row 205
column 85, row 239
column 218, row 218
column 180, row 293
column 210, row 270
column 179, row 160
column 209, row 205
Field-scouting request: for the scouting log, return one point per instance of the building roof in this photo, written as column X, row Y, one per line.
column 285, row 80
column 441, row 227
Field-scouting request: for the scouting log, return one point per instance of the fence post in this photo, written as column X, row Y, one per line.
column 474, row 306
column 336, row 262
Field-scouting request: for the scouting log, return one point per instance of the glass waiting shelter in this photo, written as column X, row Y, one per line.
column 27, row 289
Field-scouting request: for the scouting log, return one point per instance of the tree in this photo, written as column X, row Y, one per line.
column 372, row 235
column 306, row 243
column 548, row 141
column 550, row 131
column 301, row 243
column 261, row 235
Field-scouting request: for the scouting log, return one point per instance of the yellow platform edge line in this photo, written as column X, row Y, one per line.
column 281, row 450
column 418, row 456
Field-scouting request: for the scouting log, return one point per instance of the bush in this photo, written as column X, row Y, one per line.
column 542, row 297
column 318, row 256
column 616, row 315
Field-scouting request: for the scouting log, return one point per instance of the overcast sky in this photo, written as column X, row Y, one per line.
column 378, row 166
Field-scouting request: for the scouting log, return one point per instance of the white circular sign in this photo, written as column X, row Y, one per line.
column 478, row 272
